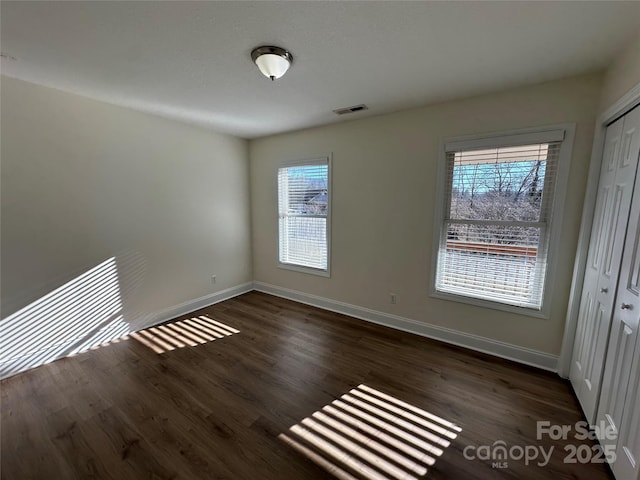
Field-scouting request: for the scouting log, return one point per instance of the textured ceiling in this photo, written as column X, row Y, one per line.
column 190, row 60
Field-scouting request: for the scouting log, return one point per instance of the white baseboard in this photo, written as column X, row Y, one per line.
column 195, row 304
column 527, row 356
column 49, row 354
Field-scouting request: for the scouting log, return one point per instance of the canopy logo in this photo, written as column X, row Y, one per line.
column 499, row 454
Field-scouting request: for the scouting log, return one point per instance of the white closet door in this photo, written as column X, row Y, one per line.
column 627, row 464
column 619, row 398
column 615, row 189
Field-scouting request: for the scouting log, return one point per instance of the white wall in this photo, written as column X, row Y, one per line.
column 84, row 181
column 384, row 176
column 622, row 75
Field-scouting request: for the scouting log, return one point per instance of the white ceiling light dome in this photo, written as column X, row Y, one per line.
column 272, row 61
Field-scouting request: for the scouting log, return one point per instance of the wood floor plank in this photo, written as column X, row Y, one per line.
column 215, row 408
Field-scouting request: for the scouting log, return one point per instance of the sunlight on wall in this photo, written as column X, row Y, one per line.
column 79, row 315
column 367, row 434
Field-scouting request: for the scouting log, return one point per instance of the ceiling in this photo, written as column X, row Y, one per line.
column 191, row 60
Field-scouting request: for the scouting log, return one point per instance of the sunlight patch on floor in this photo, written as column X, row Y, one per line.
column 189, row 332
column 369, row 435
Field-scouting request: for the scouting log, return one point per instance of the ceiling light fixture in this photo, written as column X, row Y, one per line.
column 273, row 62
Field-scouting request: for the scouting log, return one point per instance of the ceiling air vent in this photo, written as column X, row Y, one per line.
column 355, row 108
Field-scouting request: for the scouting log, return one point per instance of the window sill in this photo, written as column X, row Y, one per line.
column 301, row 269
column 478, row 302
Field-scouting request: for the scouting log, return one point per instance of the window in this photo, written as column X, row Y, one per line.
column 304, row 205
column 498, row 217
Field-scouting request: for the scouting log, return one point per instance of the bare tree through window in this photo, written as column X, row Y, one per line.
column 496, row 221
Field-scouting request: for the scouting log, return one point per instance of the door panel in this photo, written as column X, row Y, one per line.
column 627, row 464
column 617, row 370
column 579, row 356
column 614, row 230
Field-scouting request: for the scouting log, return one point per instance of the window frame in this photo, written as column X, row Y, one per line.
column 325, row 159
column 501, row 139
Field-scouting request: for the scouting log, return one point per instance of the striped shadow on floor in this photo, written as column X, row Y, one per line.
column 369, row 435
column 189, row 332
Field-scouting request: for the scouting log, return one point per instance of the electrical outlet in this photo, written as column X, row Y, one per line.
column 213, row 279
column 393, row 298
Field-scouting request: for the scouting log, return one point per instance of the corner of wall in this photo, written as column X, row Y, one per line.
column 622, row 75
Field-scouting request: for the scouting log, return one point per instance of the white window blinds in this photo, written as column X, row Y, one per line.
column 303, row 210
column 494, row 240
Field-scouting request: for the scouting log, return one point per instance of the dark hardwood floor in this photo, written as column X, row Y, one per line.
column 223, row 409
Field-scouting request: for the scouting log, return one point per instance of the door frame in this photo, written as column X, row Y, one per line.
column 628, row 101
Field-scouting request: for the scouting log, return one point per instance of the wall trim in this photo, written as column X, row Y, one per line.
column 196, row 304
column 624, row 104
column 508, row 351
column 21, row 364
